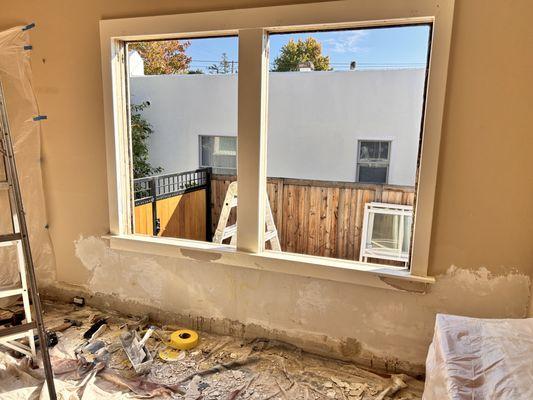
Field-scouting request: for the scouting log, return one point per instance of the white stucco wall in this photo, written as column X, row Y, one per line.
column 135, row 64
column 315, row 119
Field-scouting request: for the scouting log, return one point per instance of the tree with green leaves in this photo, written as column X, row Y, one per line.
column 294, row 53
column 141, row 131
column 223, row 67
column 163, row 57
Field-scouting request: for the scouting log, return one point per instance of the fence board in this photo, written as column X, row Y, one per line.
column 313, row 215
column 143, row 219
column 317, row 217
column 183, row 216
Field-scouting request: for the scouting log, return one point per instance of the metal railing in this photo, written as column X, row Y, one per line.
column 157, row 187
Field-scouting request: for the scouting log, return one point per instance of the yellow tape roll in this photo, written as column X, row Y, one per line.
column 184, row 339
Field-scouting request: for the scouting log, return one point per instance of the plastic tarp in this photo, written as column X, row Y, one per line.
column 480, row 359
column 15, row 75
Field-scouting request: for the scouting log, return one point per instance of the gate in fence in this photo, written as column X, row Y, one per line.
column 174, row 205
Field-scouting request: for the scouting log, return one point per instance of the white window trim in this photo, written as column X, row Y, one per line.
column 252, row 26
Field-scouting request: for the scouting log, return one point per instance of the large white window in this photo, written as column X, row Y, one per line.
column 324, row 109
column 257, row 119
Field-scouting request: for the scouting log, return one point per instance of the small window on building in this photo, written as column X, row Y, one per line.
column 373, row 161
column 219, row 153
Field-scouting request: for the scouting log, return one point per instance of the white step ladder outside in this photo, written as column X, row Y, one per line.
column 224, row 232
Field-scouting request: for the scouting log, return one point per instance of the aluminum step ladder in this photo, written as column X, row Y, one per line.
column 21, row 337
column 223, row 231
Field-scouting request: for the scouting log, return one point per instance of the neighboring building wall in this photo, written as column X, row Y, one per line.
column 315, row 119
column 135, row 64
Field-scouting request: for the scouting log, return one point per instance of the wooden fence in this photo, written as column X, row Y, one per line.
column 318, row 218
column 174, row 205
column 181, row 216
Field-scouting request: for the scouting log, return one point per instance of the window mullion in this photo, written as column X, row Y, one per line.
column 251, row 148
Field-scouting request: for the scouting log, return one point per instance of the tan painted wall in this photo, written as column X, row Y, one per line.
column 484, row 213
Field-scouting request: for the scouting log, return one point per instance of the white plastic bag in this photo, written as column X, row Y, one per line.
column 480, row 359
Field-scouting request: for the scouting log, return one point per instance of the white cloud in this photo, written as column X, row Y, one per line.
column 346, row 42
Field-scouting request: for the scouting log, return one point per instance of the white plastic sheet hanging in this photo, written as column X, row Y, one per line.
column 15, row 73
column 480, row 359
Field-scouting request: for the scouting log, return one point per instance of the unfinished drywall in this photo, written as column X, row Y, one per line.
column 483, row 221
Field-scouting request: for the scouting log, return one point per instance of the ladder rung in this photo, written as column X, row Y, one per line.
column 269, row 235
column 11, row 292
column 13, row 330
column 10, row 237
column 233, row 202
column 229, row 231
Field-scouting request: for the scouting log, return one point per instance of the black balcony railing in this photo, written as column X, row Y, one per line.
column 152, row 188
column 157, row 187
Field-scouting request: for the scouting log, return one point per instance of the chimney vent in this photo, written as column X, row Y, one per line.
column 306, row 66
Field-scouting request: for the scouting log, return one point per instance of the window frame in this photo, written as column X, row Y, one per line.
column 359, row 162
column 201, row 165
column 252, row 27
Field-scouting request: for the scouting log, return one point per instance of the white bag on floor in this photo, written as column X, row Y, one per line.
column 480, row 359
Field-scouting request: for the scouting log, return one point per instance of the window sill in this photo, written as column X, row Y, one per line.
column 345, row 271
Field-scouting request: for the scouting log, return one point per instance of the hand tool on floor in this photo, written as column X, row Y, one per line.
column 136, row 350
column 67, row 323
column 94, row 327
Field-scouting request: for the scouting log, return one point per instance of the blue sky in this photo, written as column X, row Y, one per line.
column 399, row 47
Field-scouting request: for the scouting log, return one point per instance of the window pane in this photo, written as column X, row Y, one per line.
column 228, row 145
column 369, row 150
column 383, row 151
column 407, row 228
column 372, row 174
column 344, row 113
column 219, row 153
column 385, row 232
column 184, row 134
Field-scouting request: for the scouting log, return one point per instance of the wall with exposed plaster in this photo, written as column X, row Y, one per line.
column 365, row 324
column 481, row 248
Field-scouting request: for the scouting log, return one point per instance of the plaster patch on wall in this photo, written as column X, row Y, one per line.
column 311, row 299
column 140, row 279
column 483, row 287
column 404, row 321
column 343, row 318
column 91, row 251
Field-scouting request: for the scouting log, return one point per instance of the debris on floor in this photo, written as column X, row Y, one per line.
column 105, row 355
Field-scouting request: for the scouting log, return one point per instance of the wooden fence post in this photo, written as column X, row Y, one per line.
column 153, row 193
column 208, row 224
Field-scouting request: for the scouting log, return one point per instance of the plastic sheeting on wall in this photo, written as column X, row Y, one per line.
column 15, row 74
column 480, row 359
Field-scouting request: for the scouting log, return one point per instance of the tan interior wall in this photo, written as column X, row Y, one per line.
column 484, row 213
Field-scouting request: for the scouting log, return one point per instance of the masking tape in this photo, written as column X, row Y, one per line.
column 184, row 339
